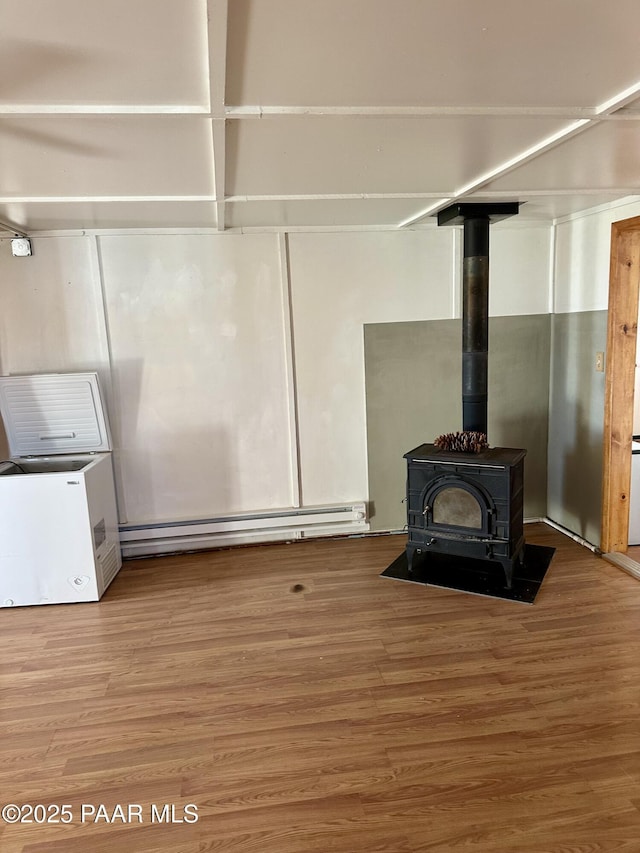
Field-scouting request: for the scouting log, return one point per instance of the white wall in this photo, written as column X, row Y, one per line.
column 51, row 315
column 206, row 343
column 339, row 283
column 581, row 277
column 201, row 392
column 519, row 265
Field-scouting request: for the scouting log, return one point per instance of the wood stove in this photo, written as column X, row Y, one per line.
column 466, row 504
column 460, row 503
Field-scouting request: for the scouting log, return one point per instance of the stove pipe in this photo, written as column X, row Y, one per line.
column 475, row 323
column 475, row 219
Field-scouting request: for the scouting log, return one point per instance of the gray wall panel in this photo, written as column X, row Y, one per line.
column 413, row 392
column 576, row 423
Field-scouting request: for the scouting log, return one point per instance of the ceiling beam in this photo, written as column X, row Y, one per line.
column 219, row 169
column 45, row 110
column 12, row 229
column 218, row 109
column 415, row 111
column 239, row 199
column 217, row 17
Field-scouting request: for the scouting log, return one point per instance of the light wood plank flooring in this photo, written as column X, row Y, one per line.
column 355, row 714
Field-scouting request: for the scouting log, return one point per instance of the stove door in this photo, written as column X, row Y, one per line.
column 458, row 507
column 453, row 504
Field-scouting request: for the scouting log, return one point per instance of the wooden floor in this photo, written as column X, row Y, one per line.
column 633, row 551
column 352, row 714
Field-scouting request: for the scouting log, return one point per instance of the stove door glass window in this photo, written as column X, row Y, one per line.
column 457, row 507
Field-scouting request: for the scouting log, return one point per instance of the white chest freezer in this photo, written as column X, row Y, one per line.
column 58, row 518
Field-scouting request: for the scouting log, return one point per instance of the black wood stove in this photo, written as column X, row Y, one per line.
column 469, row 504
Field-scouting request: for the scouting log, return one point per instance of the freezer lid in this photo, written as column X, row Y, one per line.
column 53, row 413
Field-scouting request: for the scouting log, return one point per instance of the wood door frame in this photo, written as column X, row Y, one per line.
column 622, row 327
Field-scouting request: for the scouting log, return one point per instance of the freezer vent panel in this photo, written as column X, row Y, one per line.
column 56, row 413
column 99, row 534
column 109, row 567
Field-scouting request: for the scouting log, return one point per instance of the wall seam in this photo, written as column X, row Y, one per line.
column 290, row 363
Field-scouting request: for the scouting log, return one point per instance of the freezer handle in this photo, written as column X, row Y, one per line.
column 55, row 436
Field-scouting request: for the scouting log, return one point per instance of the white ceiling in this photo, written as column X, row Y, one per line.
column 245, row 114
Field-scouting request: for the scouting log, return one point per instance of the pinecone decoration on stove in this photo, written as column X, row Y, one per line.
column 462, row 442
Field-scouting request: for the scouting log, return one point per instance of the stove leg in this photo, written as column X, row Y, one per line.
column 411, row 550
column 507, row 566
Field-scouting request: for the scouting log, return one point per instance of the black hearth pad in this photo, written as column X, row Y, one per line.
column 476, row 576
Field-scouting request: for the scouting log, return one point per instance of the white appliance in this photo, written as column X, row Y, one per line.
column 58, row 518
column 634, row 496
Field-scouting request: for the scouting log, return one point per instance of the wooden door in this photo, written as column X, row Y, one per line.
column 624, row 279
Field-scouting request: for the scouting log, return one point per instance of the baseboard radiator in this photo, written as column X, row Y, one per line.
column 243, row 528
